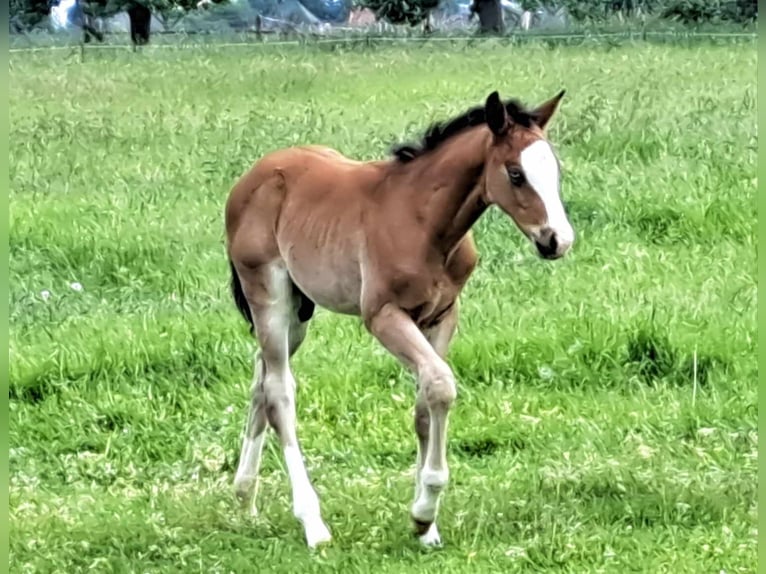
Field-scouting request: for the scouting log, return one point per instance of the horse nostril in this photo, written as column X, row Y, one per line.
column 545, row 235
column 547, row 246
column 553, row 244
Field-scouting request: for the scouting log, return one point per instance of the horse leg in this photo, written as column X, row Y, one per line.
column 279, row 330
column 246, row 478
column 439, row 337
column 437, row 392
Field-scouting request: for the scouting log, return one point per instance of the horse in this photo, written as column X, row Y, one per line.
column 390, row 242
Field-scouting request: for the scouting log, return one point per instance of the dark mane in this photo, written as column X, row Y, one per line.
column 440, row 132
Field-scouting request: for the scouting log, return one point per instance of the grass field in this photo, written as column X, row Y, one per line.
column 606, row 419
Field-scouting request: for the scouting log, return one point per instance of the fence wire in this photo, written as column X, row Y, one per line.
column 377, row 39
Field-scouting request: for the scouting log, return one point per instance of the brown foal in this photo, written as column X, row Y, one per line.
column 389, row 241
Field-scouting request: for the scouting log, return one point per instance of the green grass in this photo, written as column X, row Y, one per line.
column 581, row 440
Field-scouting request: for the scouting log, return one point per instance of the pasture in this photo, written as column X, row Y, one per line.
column 607, row 403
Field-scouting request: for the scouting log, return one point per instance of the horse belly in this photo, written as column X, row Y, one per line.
column 330, row 283
column 319, row 235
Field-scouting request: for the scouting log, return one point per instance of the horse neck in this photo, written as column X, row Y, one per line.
column 449, row 193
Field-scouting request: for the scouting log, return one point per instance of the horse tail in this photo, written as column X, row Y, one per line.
column 239, row 296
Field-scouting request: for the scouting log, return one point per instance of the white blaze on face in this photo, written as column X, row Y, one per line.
column 542, row 172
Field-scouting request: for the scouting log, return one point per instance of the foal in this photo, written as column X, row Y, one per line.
column 389, row 241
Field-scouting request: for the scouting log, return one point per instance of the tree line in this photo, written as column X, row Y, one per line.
column 26, row 14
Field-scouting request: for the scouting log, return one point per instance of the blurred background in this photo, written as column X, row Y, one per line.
column 144, row 21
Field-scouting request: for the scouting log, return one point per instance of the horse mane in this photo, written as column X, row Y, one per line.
column 439, row 132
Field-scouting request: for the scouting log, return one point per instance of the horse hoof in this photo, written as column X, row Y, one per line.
column 317, row 533
column 430, row 538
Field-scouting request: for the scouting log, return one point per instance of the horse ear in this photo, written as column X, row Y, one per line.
column 497, row 117
column 544, row 112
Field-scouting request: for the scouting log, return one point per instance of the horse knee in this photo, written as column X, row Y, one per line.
column 439, row 388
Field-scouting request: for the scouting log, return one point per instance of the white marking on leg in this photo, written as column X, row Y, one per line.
column 305, row 499
column 427, row 497
column 432, row 483
column 246, row 479
column 422, row 417
column 438, row 387
column 280, row 396
column 399, row 334
column 431, row 537
column 542, row 172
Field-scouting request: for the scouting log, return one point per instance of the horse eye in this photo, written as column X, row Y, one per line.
column 516, row 175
